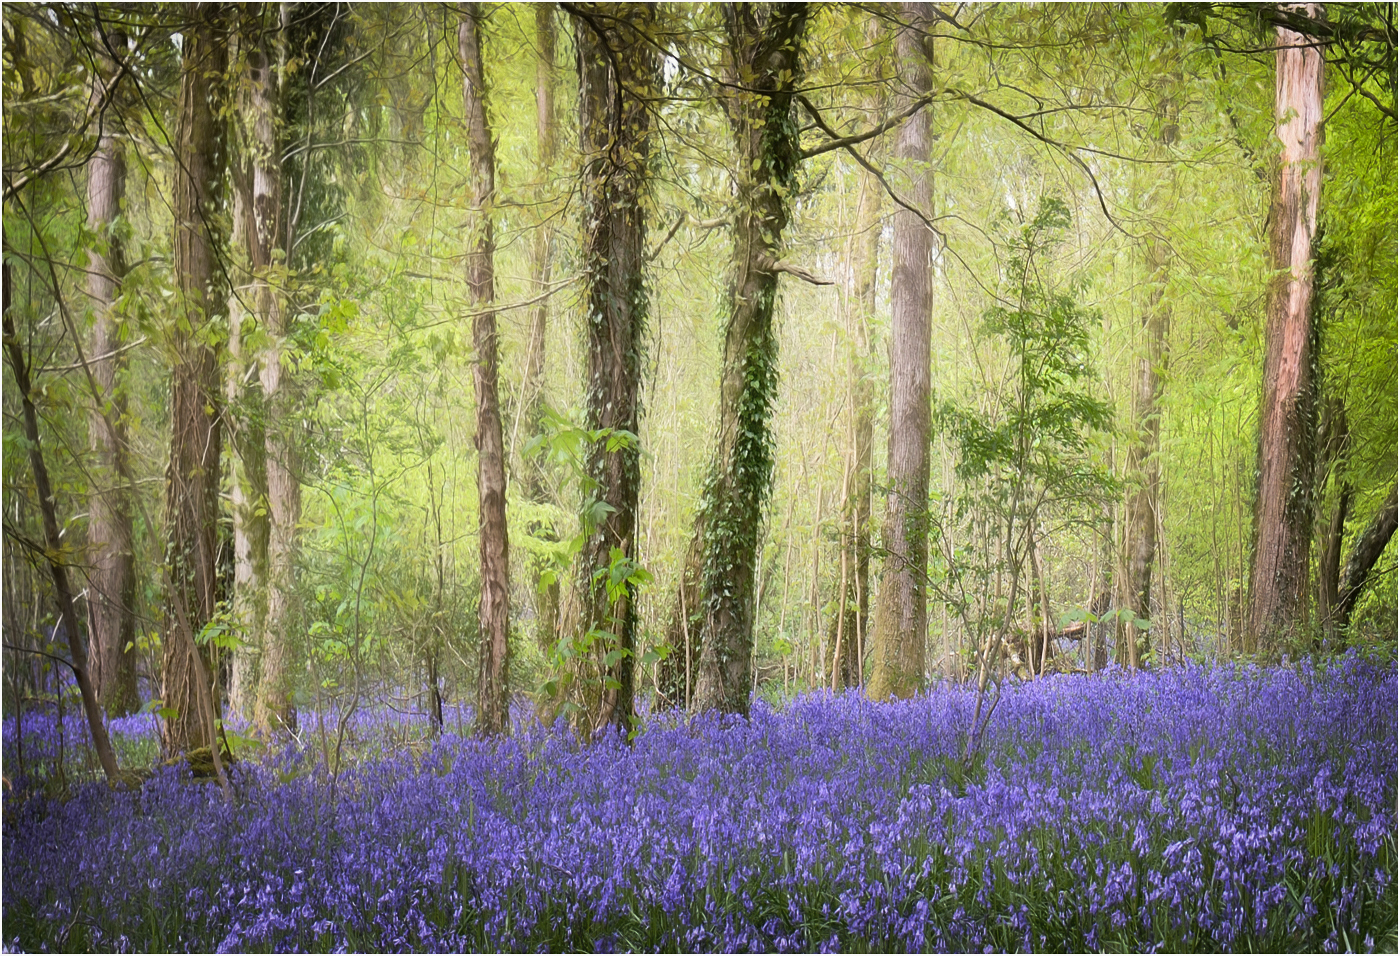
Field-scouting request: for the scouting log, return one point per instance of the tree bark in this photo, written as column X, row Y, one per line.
column 54, row 548
column 901, row 614
column 112, row 575
column 763, row 63
column 1364, row 554
column 617, row 74
column 1283, row 504
column 493, row 716
column 192, row 488
column 848, row 629
column 1333, row 445
column 1140, row 544
column 534, row 490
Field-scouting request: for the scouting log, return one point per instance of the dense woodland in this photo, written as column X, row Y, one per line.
column 616, row 357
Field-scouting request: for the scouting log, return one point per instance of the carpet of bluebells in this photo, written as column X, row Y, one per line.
column 1199, row 808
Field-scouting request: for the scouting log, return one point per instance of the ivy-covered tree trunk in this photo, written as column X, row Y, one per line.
column 1283, row 505
column 112, row 570
column 617, row 80
column 493, row 715
column 901, row 614
column 762, row 66
column 541, row 253
column 196, row 436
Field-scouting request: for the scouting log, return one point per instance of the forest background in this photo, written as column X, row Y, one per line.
column 370, row 353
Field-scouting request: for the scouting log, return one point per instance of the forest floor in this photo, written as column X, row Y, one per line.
column 1196, row 808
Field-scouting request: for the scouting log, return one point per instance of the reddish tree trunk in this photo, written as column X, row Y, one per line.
column 493, row 715
column 1283, row 506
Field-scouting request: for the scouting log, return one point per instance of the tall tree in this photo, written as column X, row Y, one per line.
column 266, row 492
column 761, row 70
column 617, row 79
column 901, row 614
column 847, row 639
column 541, row 267
column 112, row 568
column 1283, row 503
column 1144, row 438
column 494, row 611
column 196, row 436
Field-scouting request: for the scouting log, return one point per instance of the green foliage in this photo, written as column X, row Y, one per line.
column 1040, row 449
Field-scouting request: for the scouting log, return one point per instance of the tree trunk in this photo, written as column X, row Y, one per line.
column 678, row 670
column 763, row 63
column 534, row 486
column 617, row 75
column 1333, row 444
column 112, row 574
column 192, row 490
column 246, row 410
column 848, row 628
column 54, row 547
column 1364, row 554
column 901, row 614
column 1144, row 470
column 1283, row 505
column 274, row 711
column 493, row 700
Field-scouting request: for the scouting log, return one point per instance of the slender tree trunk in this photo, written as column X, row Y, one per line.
column 1283, row 505
column 54, row 546
column 1140, row 545
column 678, row 671
column 1364, row 555
column 763, row 63
column 901, row 615
column 192, row 490
column 112, row 577
column 617, row 76
column 534, row 490
column 493, row 700
column 848, row 628
column 1334, row 443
